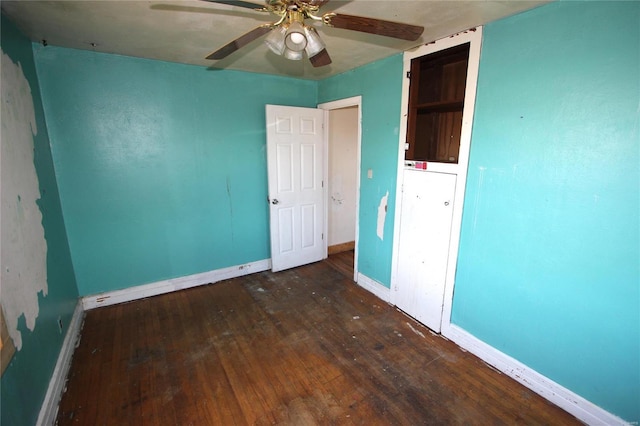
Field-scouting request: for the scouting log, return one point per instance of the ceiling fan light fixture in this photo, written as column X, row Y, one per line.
column 292, row 54
column 295, row 39
column 289, row 37
column 314, row 42
column 275, row 40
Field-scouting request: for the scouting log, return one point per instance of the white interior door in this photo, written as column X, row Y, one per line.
column 295, row 163
column 425, row 232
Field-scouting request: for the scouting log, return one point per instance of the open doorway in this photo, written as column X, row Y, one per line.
column 343, row 185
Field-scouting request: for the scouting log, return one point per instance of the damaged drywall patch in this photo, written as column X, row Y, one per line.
column 382, row 215
column 24, row 249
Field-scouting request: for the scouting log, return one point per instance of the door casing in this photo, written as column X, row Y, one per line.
column 328, row 106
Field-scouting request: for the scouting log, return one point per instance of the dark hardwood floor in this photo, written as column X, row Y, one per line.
column 342, row 262
column 300, row 347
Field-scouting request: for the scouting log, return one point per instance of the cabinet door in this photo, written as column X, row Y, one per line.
column 425, row 233
column 436, row 102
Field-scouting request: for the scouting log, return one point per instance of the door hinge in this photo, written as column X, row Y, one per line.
column 323, row 235
column 323, row 184
column 408, row 74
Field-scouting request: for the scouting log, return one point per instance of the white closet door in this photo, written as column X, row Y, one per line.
column 425, row 232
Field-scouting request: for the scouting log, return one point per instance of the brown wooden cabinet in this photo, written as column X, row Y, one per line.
column 436, row 101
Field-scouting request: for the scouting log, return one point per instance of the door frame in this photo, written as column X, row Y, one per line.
column 329, row 106
column 474, row 38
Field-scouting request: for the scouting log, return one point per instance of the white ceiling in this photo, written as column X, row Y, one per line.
column 187, row 31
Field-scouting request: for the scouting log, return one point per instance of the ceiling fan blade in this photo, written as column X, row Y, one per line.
column 318, row 3
column 320, row 59
column 241, row 41
column 245, row 4
column 374, row 26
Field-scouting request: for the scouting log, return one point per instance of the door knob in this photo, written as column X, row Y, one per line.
column 446, row 203
column 275, row 201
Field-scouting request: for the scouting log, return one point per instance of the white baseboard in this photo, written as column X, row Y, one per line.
column 49, row 409
column 174, row 284
column 562, row 397
column 374, row 287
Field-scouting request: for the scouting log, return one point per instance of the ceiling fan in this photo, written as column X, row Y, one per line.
column 290, row 37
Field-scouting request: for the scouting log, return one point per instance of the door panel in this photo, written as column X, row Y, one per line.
column 307, row 164
column 284, row 168
column 308, row 217
column 295, row 147
column 285, row 225
column 425, row 230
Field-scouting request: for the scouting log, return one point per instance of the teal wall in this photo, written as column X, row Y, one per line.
column 162, row 166
column 25, row 381
column 162, row 170
column 380, row 85
column 548, row 268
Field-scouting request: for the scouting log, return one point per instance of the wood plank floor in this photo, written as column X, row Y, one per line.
column 300, row 347
column 342, row 262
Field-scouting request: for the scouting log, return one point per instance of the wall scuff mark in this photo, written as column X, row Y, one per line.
column 24, row 248
column 382, row 215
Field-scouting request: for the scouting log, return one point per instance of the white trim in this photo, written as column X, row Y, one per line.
column 474, row 38
column 374, row 287
column 569, row 401
column 325, row 183
column 173, row 284
column 49, row 408
column 328, row 106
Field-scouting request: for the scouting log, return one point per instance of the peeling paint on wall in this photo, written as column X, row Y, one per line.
column 382, row 215
column 24, row 249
